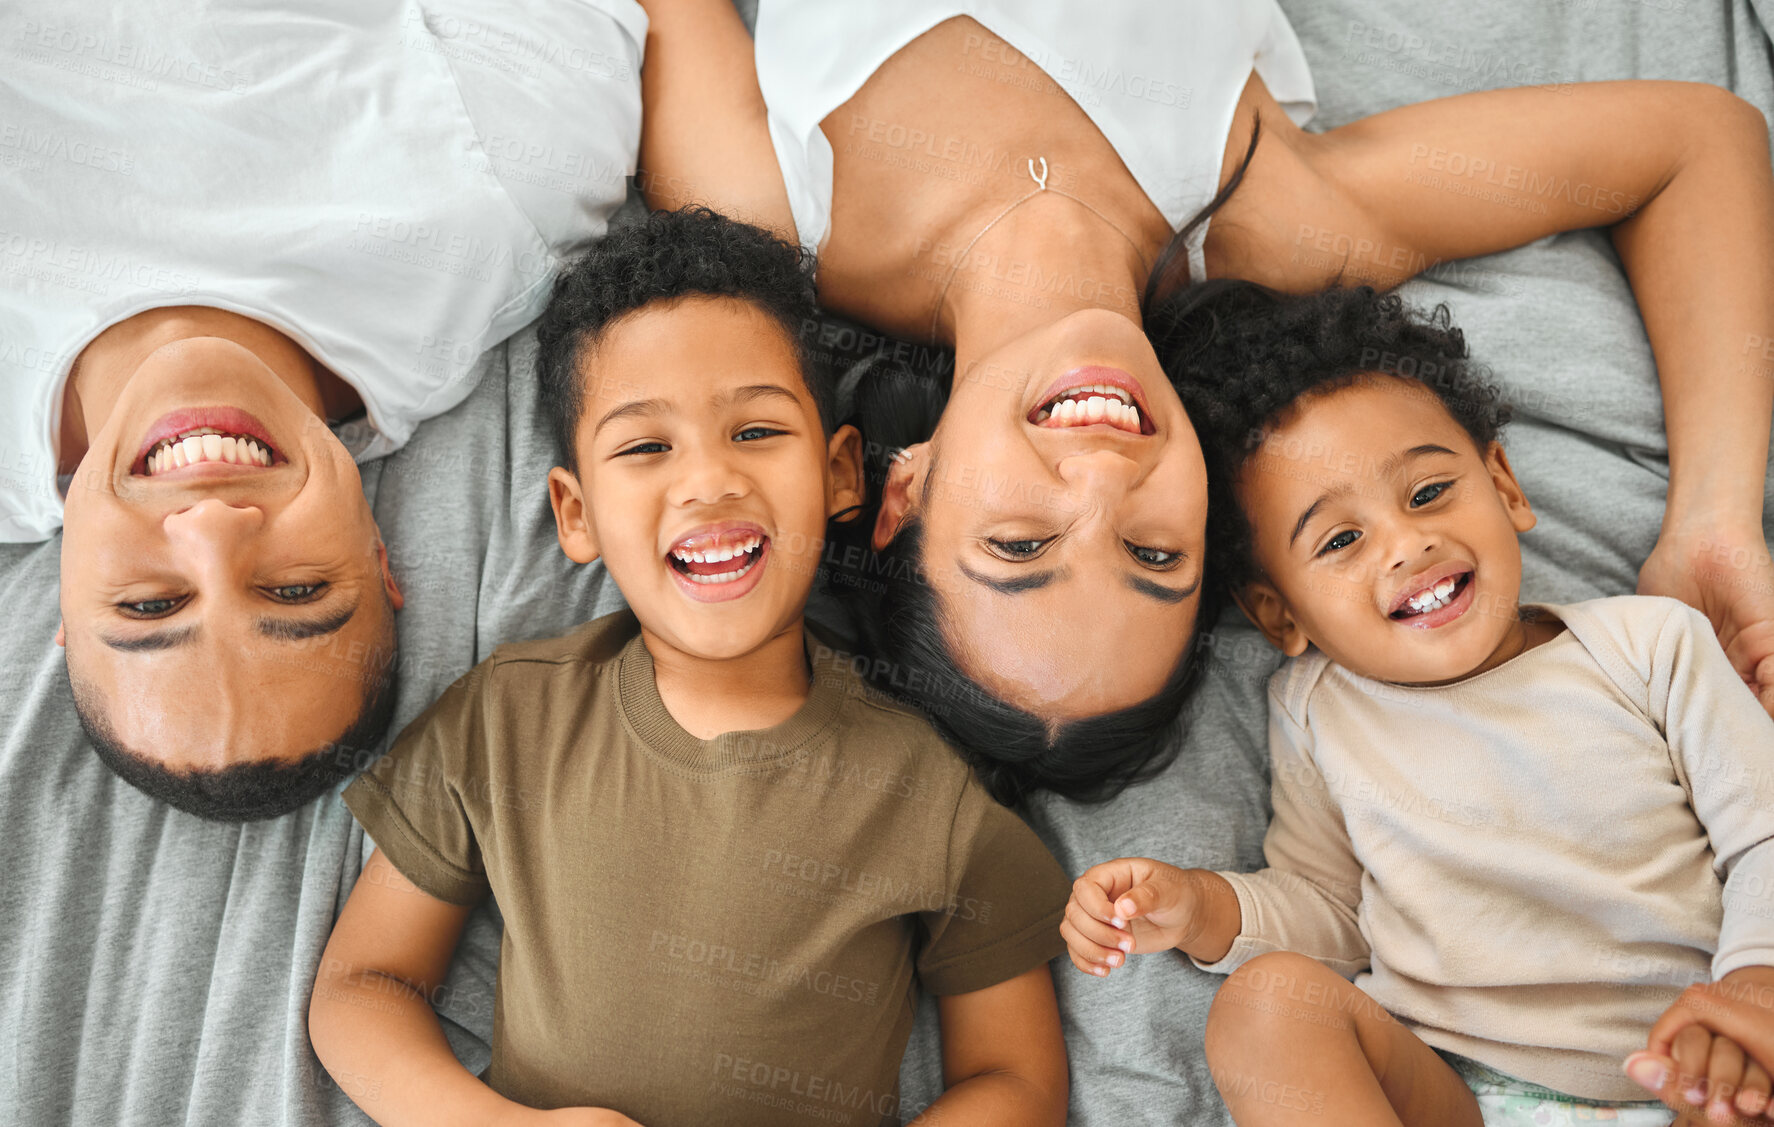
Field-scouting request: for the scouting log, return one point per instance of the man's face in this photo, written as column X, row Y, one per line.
column 223, row 602
column 704, row 477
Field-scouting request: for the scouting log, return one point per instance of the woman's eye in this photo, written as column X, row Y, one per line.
column 752, row 434
column 1429, row 493
column 296, row 592
column 149, row 608
column 644, row 448
column 1340, row 541
column 1017, row 549
column 1154, row 557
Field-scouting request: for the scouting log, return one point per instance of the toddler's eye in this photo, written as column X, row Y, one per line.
column 149, row 608
column 1017, row 549
column 1429, row 493
column 752, row 434
column 296, row 592
column 1340, row 541
column 1154, row 557
column 644, row 448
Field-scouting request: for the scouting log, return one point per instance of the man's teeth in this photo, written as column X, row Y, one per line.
column 207, row 444
column 1434, row 598
column 1098, row 403
column 718, row 555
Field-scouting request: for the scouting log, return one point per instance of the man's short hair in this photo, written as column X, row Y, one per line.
column 250, row 792
column 693, row 252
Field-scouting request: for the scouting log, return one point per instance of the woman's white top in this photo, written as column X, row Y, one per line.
column 1160, row 78
column 391, row 183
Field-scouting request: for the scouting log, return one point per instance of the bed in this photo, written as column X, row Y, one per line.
column 155, row 969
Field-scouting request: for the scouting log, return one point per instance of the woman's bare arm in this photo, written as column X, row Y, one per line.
column 1680, row 174
column 705, row 138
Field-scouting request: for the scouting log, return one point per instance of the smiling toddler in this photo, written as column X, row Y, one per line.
column 1522, row 830
column 725, row 866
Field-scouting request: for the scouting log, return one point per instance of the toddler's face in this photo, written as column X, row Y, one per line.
column 1387, row 539
column 704, row 479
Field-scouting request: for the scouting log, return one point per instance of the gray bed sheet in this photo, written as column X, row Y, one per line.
column 155, row 969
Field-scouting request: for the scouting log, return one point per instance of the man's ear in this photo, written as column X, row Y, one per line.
column 61, row 634
column 1268, row 612
column 905, row 476
column 571, row 527
column 395, row 598
column 1509, row 490
column 845, row 488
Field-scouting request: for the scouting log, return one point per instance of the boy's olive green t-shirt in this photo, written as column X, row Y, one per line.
column 724, row 931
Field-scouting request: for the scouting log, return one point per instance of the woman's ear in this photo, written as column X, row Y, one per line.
column 905, row 477
column 844, row 484
column 1268, row 612
column 571, row 527
column 1509, row 490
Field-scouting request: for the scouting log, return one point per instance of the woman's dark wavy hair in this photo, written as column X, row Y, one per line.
column 1242, row 356
column 1013, row 751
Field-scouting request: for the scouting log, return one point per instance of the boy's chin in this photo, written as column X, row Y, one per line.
column 711, row 642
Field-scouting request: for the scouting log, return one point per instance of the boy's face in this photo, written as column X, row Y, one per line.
column 705, row 479
column 1385, row 537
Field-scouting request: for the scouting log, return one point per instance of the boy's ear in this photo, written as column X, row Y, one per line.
column 1509, row 490
column 905, row 476
column 845, row 488
column 1268, row 612
column 571, row 527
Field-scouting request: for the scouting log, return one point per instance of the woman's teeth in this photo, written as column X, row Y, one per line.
column 1097, row 403
column 1434, row 598
column 206, row 444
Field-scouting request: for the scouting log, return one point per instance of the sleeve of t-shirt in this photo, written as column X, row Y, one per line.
column 1006, row 895
column 1721, row 742
column 417, row 803
column 1307, row 900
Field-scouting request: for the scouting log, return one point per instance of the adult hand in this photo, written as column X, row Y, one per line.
column 1712, row 1052
column 1724, row 571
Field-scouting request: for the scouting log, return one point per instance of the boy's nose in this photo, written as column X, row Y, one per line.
column 709, row 480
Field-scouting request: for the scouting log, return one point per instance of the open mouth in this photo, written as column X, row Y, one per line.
column 720, row 562
column 1092, row 396
column 1439, row 595
column 205, row 436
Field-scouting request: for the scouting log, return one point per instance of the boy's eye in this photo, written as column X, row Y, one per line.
column 296, row 592
column 1154, row 557
column 1016, row 549
column 1340, row 541
column 150, row 608
column 1429, row 493
column 644, row 448
column 752, row 434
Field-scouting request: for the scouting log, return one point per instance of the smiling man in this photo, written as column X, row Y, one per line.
column 253, row 249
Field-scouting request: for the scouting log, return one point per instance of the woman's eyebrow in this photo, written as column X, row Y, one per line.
column 1033, row 581
column 1169, row 595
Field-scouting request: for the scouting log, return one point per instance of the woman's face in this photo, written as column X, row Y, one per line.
column 1064, row 539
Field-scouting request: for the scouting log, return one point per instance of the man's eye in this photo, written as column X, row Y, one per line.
column 752, row 434
column 1429, row 493
column 149, row 608
column 1016, row 549
column 1154, row 557
column 644, row 448
column 1340, row 541
column 296, row 592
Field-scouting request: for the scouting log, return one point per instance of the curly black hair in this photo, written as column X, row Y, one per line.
column 668, row 255
column 1242, row 356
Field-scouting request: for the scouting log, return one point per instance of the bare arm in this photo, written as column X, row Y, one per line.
column 705, row 138
column 1003, row 1056
column 1679, row 173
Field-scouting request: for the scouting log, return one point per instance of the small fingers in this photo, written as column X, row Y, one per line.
column 1724, row 1073
column 1692, row 1052
column 1091, row 892
column 1088, row 955
column 1753, row 1093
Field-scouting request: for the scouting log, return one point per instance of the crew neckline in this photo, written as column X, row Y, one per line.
column 1522, row 660
column 652, row 724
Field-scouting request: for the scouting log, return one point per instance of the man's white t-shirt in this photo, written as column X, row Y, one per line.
column 391, row 183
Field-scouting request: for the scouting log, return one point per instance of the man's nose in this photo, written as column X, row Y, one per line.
column 210, row 533
column 1101, row 477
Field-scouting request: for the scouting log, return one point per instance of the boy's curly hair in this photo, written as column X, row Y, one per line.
column 668, row 255
column 1242, row 355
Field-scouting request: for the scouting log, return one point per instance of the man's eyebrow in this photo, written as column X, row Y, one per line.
column 167, row 639
column 630, row 410
column 1167, row 595
column 1033, row 581
column 295, row 630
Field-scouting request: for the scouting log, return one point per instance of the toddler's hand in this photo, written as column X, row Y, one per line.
column 1130, row 906
column 1714, row 1049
